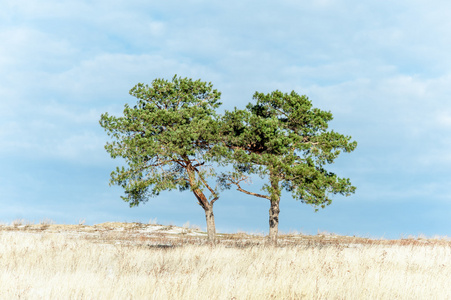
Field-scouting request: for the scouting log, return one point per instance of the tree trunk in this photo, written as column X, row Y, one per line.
column 211, row 229
column 207, row 207
column 274, row 221
column 274, row 209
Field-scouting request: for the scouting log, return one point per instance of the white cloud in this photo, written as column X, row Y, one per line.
column 25, row 49
column 86, row 148
column 41, row 140
column 105, row 78
column 57, row 111
column 444, row 119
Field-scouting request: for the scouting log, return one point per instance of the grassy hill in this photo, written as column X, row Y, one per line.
column 150, row 261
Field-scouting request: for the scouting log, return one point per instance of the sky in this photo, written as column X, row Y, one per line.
column 383, row 68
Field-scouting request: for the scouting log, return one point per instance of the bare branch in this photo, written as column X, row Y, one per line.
column 251, row 193
column 198, row 163
column 206, row 184
column 237, row 183
column 214, row 199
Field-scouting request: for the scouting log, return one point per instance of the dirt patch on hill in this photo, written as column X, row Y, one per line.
column 168, row 235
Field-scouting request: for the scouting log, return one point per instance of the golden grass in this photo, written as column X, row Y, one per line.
column 129, row 261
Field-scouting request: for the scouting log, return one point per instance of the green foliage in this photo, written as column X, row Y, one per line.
column 165, row 138
column 283, row 138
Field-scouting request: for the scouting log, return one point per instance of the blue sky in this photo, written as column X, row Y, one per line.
column 383, row 68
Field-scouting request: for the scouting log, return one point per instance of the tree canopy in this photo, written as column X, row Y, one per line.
column 165, row 140
column 284, row 139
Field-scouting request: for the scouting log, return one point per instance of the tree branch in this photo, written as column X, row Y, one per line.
column 247, row 192
column 208, row 186
column 213, row 200
column 251, row 193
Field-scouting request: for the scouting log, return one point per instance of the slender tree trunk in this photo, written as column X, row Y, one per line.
column 206, row 205
column 211, row 228
column 274, row 209
column 274, row 221
column 209, row 216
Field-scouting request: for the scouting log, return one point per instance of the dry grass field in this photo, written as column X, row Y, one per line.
column 143, row 261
